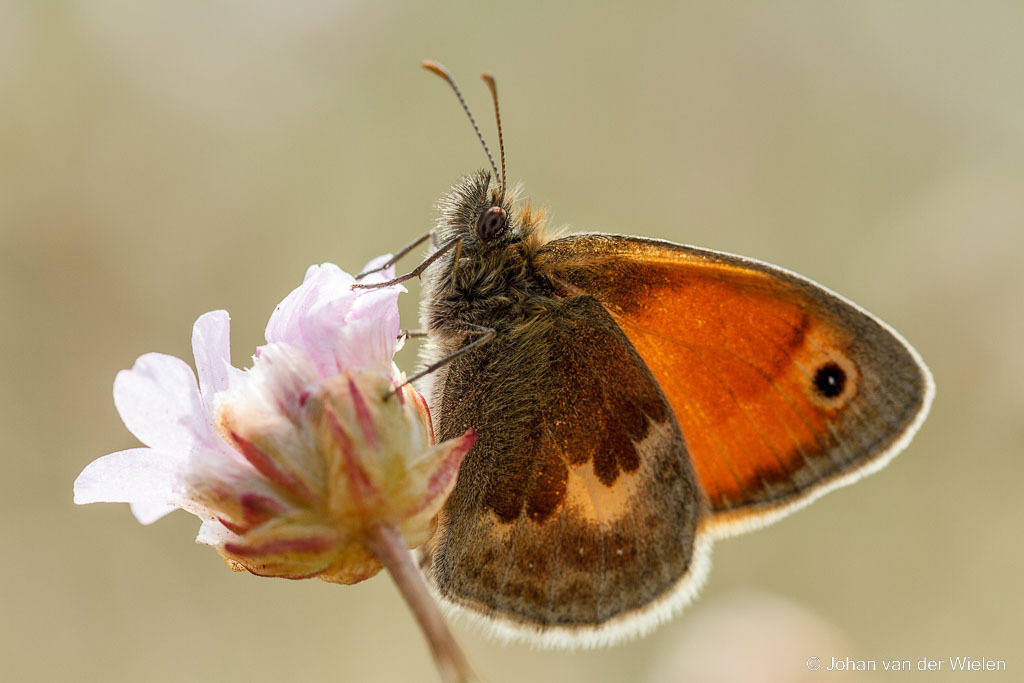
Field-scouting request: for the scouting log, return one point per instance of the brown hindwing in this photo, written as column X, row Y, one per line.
column 578, row 504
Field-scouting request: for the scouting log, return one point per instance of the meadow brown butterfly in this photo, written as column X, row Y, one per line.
column 634, row 399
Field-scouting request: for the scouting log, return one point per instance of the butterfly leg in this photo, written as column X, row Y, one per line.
column 415, row 272
column 429, row 234
column 403, row 335
column 486, row 334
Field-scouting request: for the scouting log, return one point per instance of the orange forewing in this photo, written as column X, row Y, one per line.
column 739, row 349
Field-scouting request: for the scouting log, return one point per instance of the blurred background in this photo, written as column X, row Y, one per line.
column 159, row 160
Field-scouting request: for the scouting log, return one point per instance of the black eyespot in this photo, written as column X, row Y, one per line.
column 491, row 223
column 830, row 380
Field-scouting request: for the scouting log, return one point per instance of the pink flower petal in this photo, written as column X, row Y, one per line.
column 369, row 337
column 141, row 476
column 211, row 345
column 329, row 305
column 338, row 327
column 159, row 401
column 325, row 281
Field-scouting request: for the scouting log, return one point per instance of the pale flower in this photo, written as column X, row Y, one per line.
column 295, row 463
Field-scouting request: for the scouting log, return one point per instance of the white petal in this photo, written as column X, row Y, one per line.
column 211, row 346
column 148, row 511
column 142, row 476
column 212, row 532
column 158, row 399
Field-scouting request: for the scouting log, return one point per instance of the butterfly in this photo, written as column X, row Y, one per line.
column 634, row 399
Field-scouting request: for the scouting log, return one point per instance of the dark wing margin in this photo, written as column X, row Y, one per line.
column 783, row 390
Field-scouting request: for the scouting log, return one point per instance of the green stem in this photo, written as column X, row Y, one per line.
column 388, row 546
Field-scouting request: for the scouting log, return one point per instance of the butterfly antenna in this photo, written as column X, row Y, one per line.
column 489, row 80
column 443, row 73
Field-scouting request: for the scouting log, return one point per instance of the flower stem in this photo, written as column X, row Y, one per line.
column 388, row 546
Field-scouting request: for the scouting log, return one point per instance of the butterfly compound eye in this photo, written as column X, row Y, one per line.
column 491, row 223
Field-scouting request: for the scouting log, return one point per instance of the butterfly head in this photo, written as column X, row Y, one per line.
column 486, row 216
